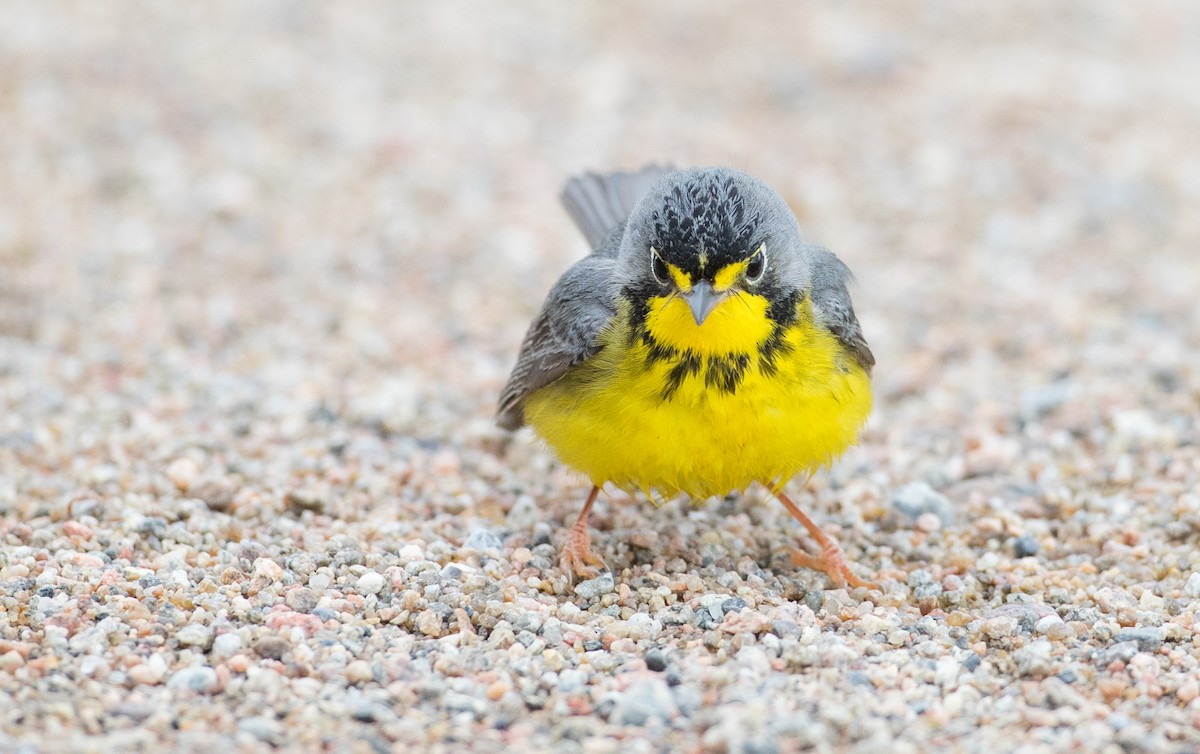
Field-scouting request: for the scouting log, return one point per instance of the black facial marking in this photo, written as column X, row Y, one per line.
column 708, row 214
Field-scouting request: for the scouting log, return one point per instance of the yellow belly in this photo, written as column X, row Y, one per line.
column 614, row 419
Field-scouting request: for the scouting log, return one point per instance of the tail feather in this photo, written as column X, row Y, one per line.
column 599, row 203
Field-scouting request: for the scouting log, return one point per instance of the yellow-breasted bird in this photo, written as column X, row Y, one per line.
column 701, row 347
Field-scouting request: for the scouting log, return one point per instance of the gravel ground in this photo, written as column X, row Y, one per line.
column 264, row 267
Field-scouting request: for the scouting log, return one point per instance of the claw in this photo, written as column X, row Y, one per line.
column 576, row 557
column 831, row 561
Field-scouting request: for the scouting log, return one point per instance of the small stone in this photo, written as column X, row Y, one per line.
column 642, row 626
column 496, row 690
column 1122, row 651
column 226, row 645
column 1025, row 546
column 482, row 539
column 194, row 635
column 200, row 679
column 918, row 497
column 927, row 522
column 1148, row 639
column 217, row 495
column 656, row 660
column 370, row 582
column 1053, row 627
column 10, row 661
column 359, row 671
column 238, row 663
column 261, row 727
column 1192, row 586
column 148, row 674
column 411, row 553
column 183, row 472
column 301, row 599
column 642, row 701
column 268, row 569
column 429, row 623
column 1035, row 659
column 1189, row 691
column 593, row 588
column 271, row 647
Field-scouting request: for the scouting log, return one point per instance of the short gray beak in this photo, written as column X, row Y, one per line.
column 702, row 299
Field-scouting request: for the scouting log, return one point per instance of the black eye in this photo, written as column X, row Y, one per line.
column 659, row 267
column 757, row 265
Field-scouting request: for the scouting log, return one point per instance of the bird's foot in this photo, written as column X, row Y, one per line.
column 577, row 559
column 833, row 563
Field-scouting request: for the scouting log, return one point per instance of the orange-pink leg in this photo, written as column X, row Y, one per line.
column 576, row 557
column 831, row 560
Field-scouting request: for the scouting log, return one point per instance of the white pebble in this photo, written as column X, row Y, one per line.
column 194, row 635
column 227, row 645
column 411, row 553
column 183, row 472
column 370, row 582
column 642, row 626
column 1192, row 587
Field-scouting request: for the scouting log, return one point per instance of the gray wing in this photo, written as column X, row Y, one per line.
column 563, row 334
column 832, row 306
column 600, row 204
column 581, row 303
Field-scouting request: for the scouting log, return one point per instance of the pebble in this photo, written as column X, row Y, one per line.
column 643, row 701
column 482, row 539
column 917, row 498
column 183, row 472
column 1148, row 639
column 370, row 583
column 226, row 645
column 301, row 600
column 201, row 679
column 1025, row 546
column 195, row 635
column 590, row 589
column 359, row 672
column 1192, row 586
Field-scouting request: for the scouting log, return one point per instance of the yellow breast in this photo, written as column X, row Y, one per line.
column 675, row 407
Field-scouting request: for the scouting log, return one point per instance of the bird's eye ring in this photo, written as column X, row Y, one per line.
column 661, row 273
column 757, row 265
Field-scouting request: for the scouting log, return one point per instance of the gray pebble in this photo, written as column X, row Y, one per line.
column 1148, row 639
column 201, row 679
column 643, row 701
column 261, row 727
column 1122, row 650
column 1025, row 546
column 593, row 588
column 482, row 539
column 302, row 599
column 918, row 497
column 656, row 660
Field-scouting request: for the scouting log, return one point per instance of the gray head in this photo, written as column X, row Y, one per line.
column 707, row 231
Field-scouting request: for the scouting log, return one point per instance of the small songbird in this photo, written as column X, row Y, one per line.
column 701, row 347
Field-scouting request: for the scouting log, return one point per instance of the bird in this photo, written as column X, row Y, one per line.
column 702, row 347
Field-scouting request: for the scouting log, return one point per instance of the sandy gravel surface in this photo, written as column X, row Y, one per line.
column 264, row 267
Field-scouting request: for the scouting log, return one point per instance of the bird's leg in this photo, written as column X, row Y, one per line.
column 576, row 557
column 831, row 560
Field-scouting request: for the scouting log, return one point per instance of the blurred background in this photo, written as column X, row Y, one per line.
column 234, row 217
